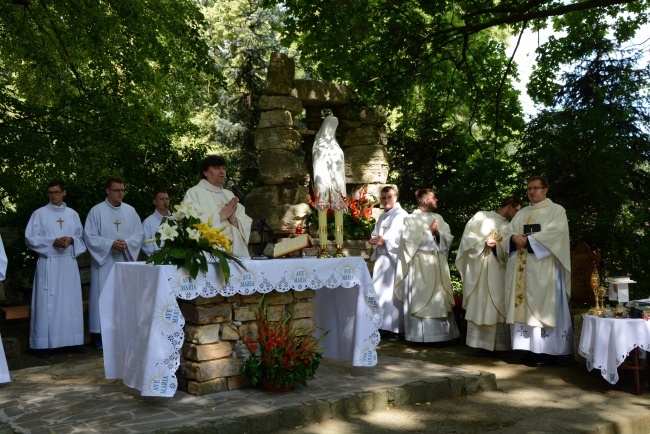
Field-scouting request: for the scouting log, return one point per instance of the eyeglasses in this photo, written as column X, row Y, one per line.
column 118, row 190
column 54, row 193
column 535, row 188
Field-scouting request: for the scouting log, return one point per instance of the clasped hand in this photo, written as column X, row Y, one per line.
column 521, row 241
column 229, row 211
column 62, row 242
column 377, row 241
column 434, row 227
column 119, row 245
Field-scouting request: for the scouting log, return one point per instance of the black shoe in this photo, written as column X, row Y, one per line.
column 503, row 354
column 539, row 360
column 484, row 353
column 77, row 349
column 43, row 353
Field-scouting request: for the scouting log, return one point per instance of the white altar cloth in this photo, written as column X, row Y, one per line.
column 606, row 342
column 142, row 326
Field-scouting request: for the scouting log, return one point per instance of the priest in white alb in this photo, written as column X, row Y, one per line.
column 538, row 278
column 385, row 243
column 212, row 200
column 481, row 262
column 422, row 280
column 4, row 368
column 151, row 223
column 113, row 233
column 55, row 233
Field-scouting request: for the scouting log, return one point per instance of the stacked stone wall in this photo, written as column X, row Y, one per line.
column 292, row 112
column 214, row 351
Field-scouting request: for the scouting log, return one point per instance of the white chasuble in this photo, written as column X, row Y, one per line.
column 210, row 200
column 422, row 280
column 57, row 310
column 538, row 284
column 389, row 227
column 482, row 270
column 150, row 227
column 4, row 369
column 106, row 223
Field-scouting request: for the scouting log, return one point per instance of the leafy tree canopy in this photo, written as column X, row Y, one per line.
column 90, row 89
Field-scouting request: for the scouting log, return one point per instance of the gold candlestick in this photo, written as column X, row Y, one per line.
column 322, row 234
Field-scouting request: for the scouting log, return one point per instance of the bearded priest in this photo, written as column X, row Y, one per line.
column 422, row 280
column 212, row 200
column 538, row 278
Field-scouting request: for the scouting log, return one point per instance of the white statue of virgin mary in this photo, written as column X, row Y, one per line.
column 329, row 168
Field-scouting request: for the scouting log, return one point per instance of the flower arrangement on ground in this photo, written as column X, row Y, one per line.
column 358, row 223
column 186, row 241
column 283, row 354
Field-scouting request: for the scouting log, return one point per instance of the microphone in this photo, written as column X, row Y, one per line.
column 240, row 194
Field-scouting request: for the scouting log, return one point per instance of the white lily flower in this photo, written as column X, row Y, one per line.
column 167, row 232
column 182, row 210
column 194, row 234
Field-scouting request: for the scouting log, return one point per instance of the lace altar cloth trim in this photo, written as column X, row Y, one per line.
column 262, row 277
column 606, row 342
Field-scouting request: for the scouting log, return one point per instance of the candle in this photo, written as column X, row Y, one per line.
column 322, row 227
column 338, row 225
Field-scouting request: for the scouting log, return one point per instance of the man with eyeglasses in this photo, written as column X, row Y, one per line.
column 54, row 232
column 538, row 278
column 481, row 262
column 422, row 279
column 113, row 233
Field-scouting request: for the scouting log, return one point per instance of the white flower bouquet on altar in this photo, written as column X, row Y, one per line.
column 186, row 241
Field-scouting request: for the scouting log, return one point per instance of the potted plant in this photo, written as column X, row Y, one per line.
column 283, row 354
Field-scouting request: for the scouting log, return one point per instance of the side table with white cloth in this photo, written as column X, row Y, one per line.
column 606, row 343
column 142, row 325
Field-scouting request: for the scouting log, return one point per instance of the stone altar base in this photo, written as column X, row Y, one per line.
column 214, row 352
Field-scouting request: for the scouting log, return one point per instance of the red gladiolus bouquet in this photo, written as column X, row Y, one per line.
column 358, row 223
column 287, row 355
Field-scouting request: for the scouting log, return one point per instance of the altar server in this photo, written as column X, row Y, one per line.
column 222, row 205
column 385, row 244
column 481, row 263
column 538, row 278
column 55, row 233
column 151, row 223
column 4, row 369
column 422, row 280
column 113, row 233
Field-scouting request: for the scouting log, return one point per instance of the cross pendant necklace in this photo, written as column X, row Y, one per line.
column 117, row 214
column 60, row 222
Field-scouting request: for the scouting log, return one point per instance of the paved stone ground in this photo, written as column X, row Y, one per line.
column 413, row 389
column 556, row 399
